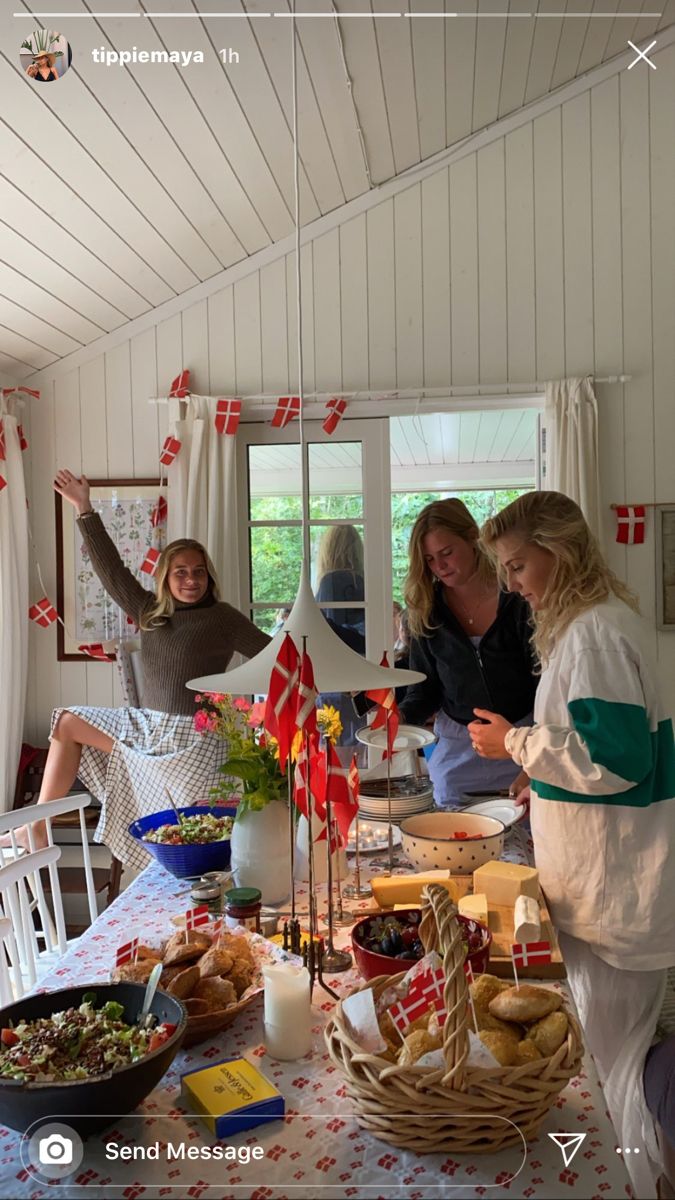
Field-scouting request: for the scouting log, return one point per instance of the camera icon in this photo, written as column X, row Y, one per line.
column 55, row 1150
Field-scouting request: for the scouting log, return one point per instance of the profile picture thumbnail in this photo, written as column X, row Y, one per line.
column 45, row 56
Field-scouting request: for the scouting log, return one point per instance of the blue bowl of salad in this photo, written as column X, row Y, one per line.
column 200, row 842
column 78, row 1056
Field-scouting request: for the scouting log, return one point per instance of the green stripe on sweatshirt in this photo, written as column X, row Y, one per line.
column 657, row 784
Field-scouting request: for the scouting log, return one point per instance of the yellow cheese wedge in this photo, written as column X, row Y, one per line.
column 475, row 906
column 389, row 890
column 503, row 882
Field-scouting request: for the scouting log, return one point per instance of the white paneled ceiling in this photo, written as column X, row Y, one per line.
column 438, row 451
column 123, row 187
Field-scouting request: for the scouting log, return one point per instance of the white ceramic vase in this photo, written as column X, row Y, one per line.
column 301, row 863
column 261, row 853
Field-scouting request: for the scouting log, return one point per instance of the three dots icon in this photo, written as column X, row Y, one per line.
column 627, row 1150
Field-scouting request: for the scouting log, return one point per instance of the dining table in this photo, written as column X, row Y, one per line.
column 317, row 1148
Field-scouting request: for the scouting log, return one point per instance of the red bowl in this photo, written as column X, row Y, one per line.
column 371, row 964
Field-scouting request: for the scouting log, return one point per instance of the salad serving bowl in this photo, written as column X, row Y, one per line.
column 189, row 859
column 88, row 1105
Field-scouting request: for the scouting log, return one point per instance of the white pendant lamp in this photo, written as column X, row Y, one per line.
column 336, row 667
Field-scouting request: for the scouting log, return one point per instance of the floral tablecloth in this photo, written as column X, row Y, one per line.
column 317, row 1149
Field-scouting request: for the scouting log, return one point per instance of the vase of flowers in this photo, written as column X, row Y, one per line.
column 260, row 839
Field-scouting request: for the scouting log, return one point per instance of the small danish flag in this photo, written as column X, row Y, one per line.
column 630, row 524
column 149, row 564
column 96, row 650
column 26, row 391
column 287, row 408
column 126, row 952
column 43, row 613
column 531, row 953
column 387, row 714
column 169, row 450
column 159, row 512
column 282, row 698
column 195, row 917
column 305, row 716
column 425, row 992
column 336, row 410
column 3, row 482
column 228, row 413
column 180, row 387
column 2, row 442
column 23, row 443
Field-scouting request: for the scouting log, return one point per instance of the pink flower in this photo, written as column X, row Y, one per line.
column 204, row 722
column 256, row 715
column 214, row 697
column 198, row 698
column 241, row 705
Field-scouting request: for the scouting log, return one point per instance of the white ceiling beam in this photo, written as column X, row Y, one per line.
column 338, row 481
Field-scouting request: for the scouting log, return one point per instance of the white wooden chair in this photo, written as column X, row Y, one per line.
column 23, row 906
column 33, row 814
column 8, row 951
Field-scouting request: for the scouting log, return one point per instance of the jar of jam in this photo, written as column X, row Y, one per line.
column 242, row 907
column 209, row 894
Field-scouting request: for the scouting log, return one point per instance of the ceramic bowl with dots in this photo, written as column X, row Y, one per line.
column 455, row 841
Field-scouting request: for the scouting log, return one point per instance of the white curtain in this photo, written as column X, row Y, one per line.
column 572, row 463
column 202, row 496
column 13, row 602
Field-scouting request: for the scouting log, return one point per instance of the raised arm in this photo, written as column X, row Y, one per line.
column 118, row 581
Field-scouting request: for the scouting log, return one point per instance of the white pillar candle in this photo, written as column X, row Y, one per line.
column 288, row 1020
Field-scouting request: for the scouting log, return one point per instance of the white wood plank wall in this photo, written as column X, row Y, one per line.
column 546, row 253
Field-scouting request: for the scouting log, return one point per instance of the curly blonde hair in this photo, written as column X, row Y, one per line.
column 580, row 577
column 419, row 587
column 164, row 605
column 340, row 549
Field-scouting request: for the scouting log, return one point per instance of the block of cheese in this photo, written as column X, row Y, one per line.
column 503, row 882
column 389, row 890
column 475, row 906
column 526, row 920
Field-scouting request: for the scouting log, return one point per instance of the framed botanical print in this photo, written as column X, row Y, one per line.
column 88, row 614
column 665, row 567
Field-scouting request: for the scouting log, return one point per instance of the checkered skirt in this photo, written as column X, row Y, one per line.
column 152, row 751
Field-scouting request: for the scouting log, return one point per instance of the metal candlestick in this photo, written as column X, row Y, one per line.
column 291, row 834
column 332, row 960
column 312, row 957
column 342, row 917
column 354, row 890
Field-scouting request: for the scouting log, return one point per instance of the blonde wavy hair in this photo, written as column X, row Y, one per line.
column 580, row 577
column 340, row 549
column 164, row 605
column 419, row 588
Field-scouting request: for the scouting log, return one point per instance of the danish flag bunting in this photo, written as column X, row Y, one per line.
column 159, row 512
column 287, row 408
column 26, row 391
column 195, row 917
column 336, row 410
column 180, row 387
column 2, row 442
column 282, row 698
column 96, row 650
column 43, row 613
column 149, row 564
column 23, row 443
column 228, row 413
column 169, row 450
column 387, row 715
column 305, row 717
column 126, row 952
column 630, row 524
column 531, row 953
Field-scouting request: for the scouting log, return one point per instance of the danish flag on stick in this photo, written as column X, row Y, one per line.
column 305, row 717
column 180, row 387
column 387, row 715
column 149, row 564
column 228, row 413
column 531, row 953
column 169, row 450
column 159, row 512
column 43, row 613
column 282, row 698
column 425, row 992
column 309, row 749
column 96, row 650
column 126, row 952
column 287, row 408
column 195, row 917
column 336, row 410
column 630, row 524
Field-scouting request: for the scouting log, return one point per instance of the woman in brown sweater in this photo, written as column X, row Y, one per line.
column 128, row 757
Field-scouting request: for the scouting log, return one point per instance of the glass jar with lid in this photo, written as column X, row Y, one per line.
column 242, row 907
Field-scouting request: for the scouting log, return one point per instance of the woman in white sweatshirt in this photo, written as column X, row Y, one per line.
column 601, row 761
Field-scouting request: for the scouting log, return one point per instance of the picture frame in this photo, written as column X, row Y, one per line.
column 88, row 615
column 665, row 567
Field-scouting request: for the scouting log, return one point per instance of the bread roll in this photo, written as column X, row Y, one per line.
column 502, row 1046
column 184, row 983
column 549, row 1033
column 485, row 987
column 524, row 1003
column 527, row 1052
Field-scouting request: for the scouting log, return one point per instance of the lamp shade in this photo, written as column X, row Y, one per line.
column 336, row 667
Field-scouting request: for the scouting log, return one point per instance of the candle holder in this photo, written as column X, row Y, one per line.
column 357, row 890
column 333, row 960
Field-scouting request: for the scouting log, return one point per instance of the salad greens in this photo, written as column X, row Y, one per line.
column 193, row 830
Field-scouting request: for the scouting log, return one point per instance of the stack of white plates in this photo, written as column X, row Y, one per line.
column 377, row 807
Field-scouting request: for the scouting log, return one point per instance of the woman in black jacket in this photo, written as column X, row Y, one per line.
column 472, row 641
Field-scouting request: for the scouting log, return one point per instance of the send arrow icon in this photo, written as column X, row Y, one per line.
column 568, row 1143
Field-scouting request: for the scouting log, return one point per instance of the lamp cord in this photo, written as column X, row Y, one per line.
column 298, row 293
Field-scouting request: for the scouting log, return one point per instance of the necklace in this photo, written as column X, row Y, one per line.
column 470, row 614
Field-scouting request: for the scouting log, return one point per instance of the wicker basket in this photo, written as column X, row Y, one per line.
column 456, row 1109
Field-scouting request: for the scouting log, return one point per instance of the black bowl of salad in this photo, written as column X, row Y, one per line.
column 78, row 1055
